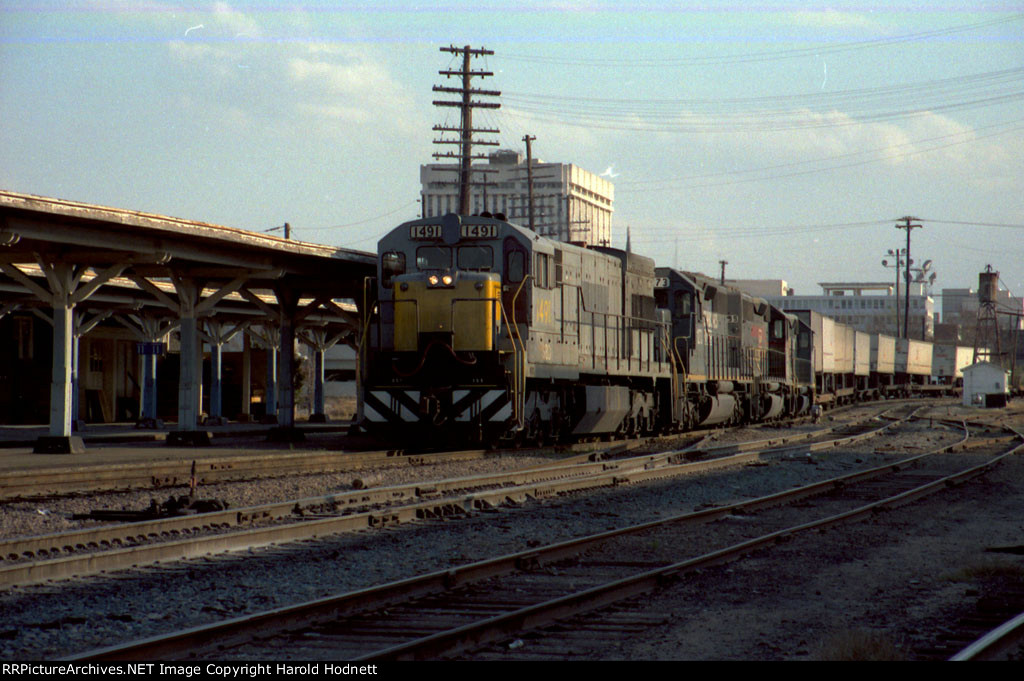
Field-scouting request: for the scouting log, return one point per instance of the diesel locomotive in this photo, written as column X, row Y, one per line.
column 485, row 330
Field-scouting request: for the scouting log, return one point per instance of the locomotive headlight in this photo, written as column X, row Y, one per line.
column 432, row 280
column 447, row 280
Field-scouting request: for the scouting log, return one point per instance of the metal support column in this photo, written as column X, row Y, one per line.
column 246, row 379
column 217, row 335
column 318, row 386
column 287, row 304
column 320, row 343
column 60, row 385
column 189, row 373
column 270, row 398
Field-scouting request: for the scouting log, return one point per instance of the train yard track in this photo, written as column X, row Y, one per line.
column 62, row 480
column 27, row 560
column 522, row 605
column 170, row 472
column 55, row 481
column 86, row 613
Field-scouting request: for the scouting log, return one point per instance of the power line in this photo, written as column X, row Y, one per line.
column 939, row 90
column 973, row 224
column 745, row 231
column 376, row 217
column 625, row 185
column 763, row 55
column 753, row 121
column 886, row 157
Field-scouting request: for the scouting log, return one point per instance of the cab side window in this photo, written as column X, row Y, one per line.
column 392, row 264
column 515, row 266
column 543, row 271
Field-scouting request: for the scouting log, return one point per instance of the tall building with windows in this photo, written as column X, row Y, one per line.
column 569, row 203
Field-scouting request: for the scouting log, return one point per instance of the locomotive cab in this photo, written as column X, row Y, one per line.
column 437, row 352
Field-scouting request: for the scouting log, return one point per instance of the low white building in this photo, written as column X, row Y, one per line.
column 985, row 385
column 870, row 307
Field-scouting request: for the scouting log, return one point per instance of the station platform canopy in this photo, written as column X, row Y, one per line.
column 80, row 262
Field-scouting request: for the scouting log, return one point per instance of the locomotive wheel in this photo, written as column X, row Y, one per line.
column 533, row 433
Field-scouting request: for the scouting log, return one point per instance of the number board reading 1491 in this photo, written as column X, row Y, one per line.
column 479, row 231
column 468, row 231
column 425, row 232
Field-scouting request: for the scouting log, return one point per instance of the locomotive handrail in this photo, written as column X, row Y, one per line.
column 619, row 327
column 519, row 361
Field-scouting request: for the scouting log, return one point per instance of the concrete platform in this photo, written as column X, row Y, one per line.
column 112, row 444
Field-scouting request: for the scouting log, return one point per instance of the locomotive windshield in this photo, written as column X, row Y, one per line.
column 433, row 258
column 479, row 258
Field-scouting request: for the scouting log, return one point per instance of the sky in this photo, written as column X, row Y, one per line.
column 786, row 138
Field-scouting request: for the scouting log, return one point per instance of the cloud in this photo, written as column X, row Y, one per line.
column 195, row 51
column 286, row 83
column 350, row 78
column 344, row 83
column 830, row 18
column 238, row 23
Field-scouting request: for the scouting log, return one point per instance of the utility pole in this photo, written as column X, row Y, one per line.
column 723, row 263
column 906, row 309
column 286, row 227
column 529, row 174
column 465, row 130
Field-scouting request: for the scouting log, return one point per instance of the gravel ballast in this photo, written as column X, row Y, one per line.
column 44, row 622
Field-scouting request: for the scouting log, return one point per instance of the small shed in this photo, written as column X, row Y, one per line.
column 985, row 385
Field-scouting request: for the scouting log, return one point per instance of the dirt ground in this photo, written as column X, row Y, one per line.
column 886, row 588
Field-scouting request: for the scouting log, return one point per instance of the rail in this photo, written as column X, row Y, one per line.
column 392, row 594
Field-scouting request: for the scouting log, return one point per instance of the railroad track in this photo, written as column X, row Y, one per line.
column 76, row 479
column 993, row 632
column 48, row 482
column 31, row 560
column 496, row 599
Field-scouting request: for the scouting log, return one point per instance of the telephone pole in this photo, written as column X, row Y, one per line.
column 529, row 174
column 723, row 263
column 466, row 104
column 906, row 309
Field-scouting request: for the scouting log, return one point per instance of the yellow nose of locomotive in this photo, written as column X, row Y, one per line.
column 463, row 306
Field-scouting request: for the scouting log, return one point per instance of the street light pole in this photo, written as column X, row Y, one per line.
column 899, row 254
column 906, row 310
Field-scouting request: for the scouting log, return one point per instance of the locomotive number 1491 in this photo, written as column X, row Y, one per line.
column 467, row 231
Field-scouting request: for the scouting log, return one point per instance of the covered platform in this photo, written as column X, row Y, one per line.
column 171, row 285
